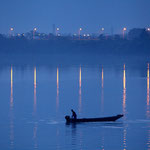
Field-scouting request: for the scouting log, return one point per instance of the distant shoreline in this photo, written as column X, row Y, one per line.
column 136, row 42
column 134, row 48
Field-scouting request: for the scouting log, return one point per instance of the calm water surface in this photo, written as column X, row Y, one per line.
column 35, row 99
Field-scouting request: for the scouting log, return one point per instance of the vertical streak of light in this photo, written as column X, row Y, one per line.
column 11, row 111
column 35, row 105
column 102, row 141
column 148, row 111
column 102, row 78
column 80, row 92
column 80, row 139
column 124, row 138
column 102, row 92
column 124, row 108
column 124, row 90
column 57, row 97
column 35, row 90
column 11, row 94
column 80, row 78
column 148, row 85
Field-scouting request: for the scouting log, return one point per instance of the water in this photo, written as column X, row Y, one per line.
column 35, row 99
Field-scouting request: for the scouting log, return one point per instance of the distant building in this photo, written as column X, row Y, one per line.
column 137, row 33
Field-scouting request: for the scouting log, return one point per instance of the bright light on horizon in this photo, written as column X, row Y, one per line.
column 35, row 29
column 11, row 29
column 124, row 29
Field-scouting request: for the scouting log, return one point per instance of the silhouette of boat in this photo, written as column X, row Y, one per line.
column 103, row 119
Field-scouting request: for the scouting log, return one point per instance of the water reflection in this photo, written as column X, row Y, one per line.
column 124, row 91
column 73, row 135
column 80, row 92
column 124, row 109
column 102, row 78
column 76, row 139
column 11, row 81
column 34, row 109
column 148, row 111
column 57, row 97
column 102, row 140
column 11, row 111
column 34, row 104
column 102, row 93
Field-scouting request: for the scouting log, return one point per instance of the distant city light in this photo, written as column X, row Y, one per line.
column 84, row 34
column 35, row 29
column 124, row 29
column 148, row 29
column 88, row 34
column 18, row 34
column 102, row 29
column 57, row 29
column 80, row 29
column 123, row 32
column 11, row 29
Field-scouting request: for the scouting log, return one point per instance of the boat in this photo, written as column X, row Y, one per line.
column 103, row 119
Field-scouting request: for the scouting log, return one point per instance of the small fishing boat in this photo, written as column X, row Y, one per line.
column 103, row 119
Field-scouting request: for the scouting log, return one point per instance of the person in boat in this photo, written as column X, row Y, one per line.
column 74, row 115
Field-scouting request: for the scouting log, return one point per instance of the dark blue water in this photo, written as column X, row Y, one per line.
column 35, row 99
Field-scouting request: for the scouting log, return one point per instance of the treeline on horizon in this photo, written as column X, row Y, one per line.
column 136, row 41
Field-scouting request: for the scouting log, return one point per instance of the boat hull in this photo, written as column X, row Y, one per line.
column 104, row 119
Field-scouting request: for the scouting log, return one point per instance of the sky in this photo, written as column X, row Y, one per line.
column 70, row 15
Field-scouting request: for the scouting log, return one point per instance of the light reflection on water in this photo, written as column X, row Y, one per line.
column 34, row 92
column 86, row 97
column 124, row 109
column 102, row 93
column 11, row 111
column 124, row 91
column 80, row 92
column 35, row 128
column 148, row 111
column 57, row 97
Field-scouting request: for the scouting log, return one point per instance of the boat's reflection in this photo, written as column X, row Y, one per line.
column 75, row 130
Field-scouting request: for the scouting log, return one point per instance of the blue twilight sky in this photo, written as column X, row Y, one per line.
column 70, row 15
